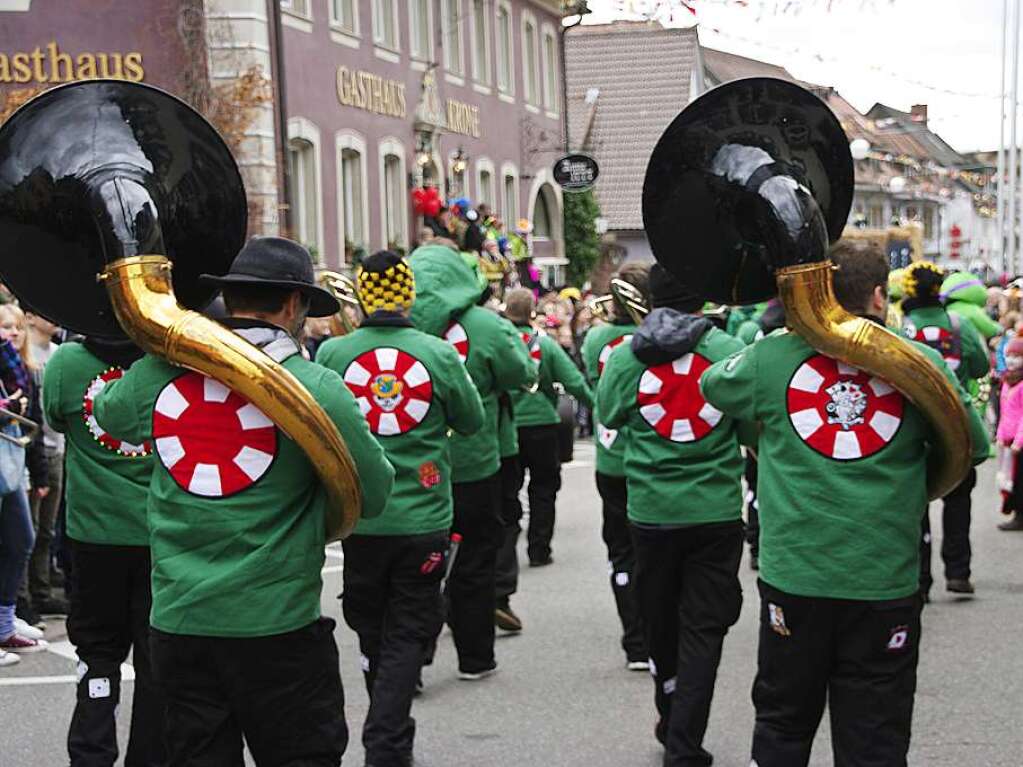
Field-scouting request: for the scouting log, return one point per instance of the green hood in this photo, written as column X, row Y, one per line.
column 445, row 287
column 963, row 286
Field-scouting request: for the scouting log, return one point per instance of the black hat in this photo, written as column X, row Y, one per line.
column 667, row 290
column 276, row 262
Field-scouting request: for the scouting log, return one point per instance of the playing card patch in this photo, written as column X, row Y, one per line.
column 429, row 475
column 943, row 341
column 211, row 440
column 898, row 641
column 840, row 411
column 108, row 441
column 606, row 436
column 532, row 342
column 606, row 349
column 392, row 388
column 457, row 337
column 776, row 617
column 670, row 400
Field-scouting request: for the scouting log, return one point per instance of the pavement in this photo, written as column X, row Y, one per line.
column 563, row 698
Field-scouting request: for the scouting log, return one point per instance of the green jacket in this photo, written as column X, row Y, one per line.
column 682, row 459
column 107, row 479
column 931, row 325
column 964, row 294
column 507, row 431
column 493, row 352
column 540, row 408
column 236, row 512
column 597, row 346
column 411, row 387
column 842, row 461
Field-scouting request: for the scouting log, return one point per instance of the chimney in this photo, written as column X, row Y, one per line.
column 919, row 113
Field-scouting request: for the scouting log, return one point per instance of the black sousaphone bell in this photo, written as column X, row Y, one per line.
column 94, row 171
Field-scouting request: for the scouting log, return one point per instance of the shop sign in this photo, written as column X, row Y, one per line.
column 365, row 90
column 49, row 64
column 576, row 172
column 463, row 118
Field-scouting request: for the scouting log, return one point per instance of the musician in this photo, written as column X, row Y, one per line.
column 412, row 388
column 107, row 486
column 963, row 348
column 448, row 293
column 599, row 343
column 842, row 475
column 237, row 529
column 683, row 469
column 537, row 422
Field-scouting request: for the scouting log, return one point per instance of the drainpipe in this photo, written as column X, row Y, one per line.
column 281, row 113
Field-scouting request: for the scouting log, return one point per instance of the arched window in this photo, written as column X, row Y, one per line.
column 530, row 59
column 394, row 219
column 542, row 223
column 352, row 197
column 304, row 185
column 505, row 57
column 509, row 194
column 550, row 71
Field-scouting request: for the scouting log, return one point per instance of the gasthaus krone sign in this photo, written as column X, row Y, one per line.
column 576, row 172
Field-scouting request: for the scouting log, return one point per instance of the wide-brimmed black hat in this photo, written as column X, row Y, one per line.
column 276, row 262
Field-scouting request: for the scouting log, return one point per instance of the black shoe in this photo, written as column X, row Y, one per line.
column 506, row 619
column 53, row 606
column 1014, row 524
column 661, row 731
column 959, row 586
column 548, row 560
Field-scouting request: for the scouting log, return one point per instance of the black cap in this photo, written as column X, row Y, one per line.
column 666, row 290
column 276, row 262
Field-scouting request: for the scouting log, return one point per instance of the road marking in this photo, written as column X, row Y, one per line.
column 65, row 649
column 19, row 681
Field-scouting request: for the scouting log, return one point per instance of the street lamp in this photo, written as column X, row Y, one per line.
column 897, row 185
column 460, row 161
column 859, row 148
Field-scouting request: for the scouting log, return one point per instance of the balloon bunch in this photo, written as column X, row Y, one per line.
column 459, row 205
column 426, row 201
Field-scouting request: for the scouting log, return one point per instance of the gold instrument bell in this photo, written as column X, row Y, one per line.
column 107, row 186
column 744, row 194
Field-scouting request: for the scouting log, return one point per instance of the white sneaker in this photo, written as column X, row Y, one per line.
column 473, row 676
column 8, row 658
column 20, row 627
column 638, row 665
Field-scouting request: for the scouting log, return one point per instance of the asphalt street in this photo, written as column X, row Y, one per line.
column 563, row 697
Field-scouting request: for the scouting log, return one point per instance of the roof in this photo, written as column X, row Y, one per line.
column 637, row 76
column 721, row 67
column 892, row 122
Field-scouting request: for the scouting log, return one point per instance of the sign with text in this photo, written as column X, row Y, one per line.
column 576, row 172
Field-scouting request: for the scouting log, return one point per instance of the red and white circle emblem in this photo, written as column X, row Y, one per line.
column 108, row 441
column 942, row 341
column 606, row 350
column 457, row 337
column 671, row 402
column 393, row 389
column 532, row 342
column 840, row 411
column 213, row 441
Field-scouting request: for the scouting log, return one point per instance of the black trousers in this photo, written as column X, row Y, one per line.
column 281, row 693
column 470, row 587
column 110, row 604
column 860, row 656
column 752, row 507
column 392, row 600
column 621, row 557
column 955, row 542
column 511, row 518
column 689, row 593
column 539, row 455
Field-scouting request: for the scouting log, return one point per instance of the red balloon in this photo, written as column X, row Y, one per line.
column 431, row 207
column 432, row 193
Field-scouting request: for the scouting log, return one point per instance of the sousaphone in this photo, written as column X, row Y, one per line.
column 744, row 193
column 105, row 187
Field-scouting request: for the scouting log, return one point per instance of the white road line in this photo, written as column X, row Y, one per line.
column 20, row 681
column 67, row 650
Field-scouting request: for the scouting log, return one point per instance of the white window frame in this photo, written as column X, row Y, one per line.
column 509, row 89
column 509, row 170
column 303, row 129
column 347, row 139
column 486, row 76
column 337, row 24
column 485, row 165
column 378, row 40
column 464, row 190
column 532, row 92
column 392, row 147
column 446, row 32
column 288, row 6
column 542, row 177
column 413, row 37
column 549, row 84
column 295, row 19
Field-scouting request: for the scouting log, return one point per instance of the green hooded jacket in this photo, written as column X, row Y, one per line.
column 596, row 350
column 495, row 357
column 971, row 363
column 540, row 408
column 965, row 295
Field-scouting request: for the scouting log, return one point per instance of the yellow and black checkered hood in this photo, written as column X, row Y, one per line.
column 390, row 290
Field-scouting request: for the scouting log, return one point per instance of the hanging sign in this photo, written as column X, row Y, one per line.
column 576, row 172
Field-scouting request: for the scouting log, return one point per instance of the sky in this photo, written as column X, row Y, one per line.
column 898, row 52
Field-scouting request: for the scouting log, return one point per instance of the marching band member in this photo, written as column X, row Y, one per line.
column 448, row 292
column 963, row 349
column 411, row 388
column 683, row 469
column 237, row 530
column 507, row 577
column 107, row 486
column 599, row 343
column 842, row 476
column 537, row 421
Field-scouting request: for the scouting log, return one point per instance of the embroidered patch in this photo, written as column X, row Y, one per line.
column 212, row 440
column 606, row 436
column 899, row 639
column 671, row 402
column 96, row 385
column 669, row 685
column 429, row 475
column 943, row 341
column 840, row 411
column 606, row 349
column 776, row 617
column 99, row 687
column 392, row 388
column 81, row 669
column 621, row 579
column 457, row 337
column 431, row 563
